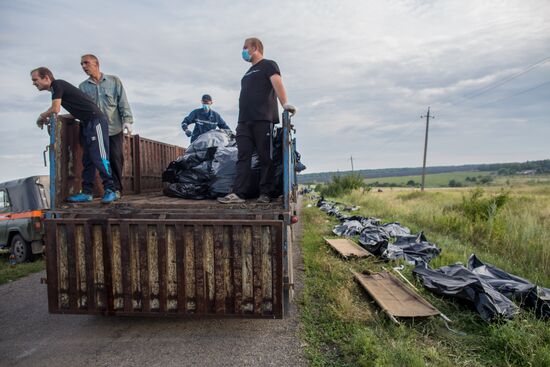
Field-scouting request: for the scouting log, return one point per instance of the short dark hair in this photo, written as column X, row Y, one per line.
column 91, row 56
column 256, row 43
column 43, row 72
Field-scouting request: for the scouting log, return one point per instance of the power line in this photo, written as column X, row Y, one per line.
column 514, row 94
column 496, row 84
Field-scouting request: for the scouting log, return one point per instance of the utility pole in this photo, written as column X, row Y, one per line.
column 425, row 147
column 351, row 159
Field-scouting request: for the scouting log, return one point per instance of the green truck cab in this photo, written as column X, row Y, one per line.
column 22, row 205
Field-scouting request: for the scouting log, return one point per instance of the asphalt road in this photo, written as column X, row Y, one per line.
column 30, row 336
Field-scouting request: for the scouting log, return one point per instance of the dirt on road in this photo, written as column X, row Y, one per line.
column 30, row 336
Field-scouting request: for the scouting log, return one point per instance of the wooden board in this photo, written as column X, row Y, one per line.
column 394, row 297
column 157, row 202
column 347, row 248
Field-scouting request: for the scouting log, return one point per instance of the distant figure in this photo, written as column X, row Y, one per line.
column 204, row 118
column 261, row 85
column 93, row 131
column 108, row 94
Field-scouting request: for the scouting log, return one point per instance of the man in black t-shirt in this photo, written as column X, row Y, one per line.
column 261, row 85
column 94, row 131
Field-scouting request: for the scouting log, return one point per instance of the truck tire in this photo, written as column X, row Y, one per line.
column 21, row 249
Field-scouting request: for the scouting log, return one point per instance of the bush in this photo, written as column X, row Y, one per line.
column 455, row 183
column 478, row 207
column 484, row 180
column 342, row 185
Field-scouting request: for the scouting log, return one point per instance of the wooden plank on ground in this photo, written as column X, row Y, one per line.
column 394, row 297
column 347, row 248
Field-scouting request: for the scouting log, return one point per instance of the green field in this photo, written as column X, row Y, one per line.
column 342, row 327
column 433, row 180
column 442, row 179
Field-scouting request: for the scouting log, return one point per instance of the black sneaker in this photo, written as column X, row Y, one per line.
column 263, row 199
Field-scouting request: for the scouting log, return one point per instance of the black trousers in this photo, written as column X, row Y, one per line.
column 93, row 135
column 254, row 136
column 116, row 157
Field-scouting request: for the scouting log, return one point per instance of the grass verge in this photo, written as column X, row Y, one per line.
column 342, row 327
column 9, row 273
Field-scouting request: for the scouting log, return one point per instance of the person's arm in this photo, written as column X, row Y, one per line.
column 277, row 83
column 221, row 123
column 123, row 106
column 44, row 116
column 54, row 108
column 188, row 121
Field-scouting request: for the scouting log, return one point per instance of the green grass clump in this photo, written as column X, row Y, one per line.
column 342, row 185
column 10, row 273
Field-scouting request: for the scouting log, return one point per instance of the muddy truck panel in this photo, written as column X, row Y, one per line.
column 144, row 162
column 165, row 267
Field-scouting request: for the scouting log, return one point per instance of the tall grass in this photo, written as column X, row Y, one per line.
column 511, row 228
column 342, row 327
column 342, row 185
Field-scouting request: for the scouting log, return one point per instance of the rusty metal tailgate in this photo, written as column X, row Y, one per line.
column 164, row 267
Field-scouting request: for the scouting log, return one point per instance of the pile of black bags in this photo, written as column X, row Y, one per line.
column 377, row 238
column 488, row 289
column 207, row 170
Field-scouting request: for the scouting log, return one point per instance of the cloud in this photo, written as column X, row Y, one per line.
column 361, row 73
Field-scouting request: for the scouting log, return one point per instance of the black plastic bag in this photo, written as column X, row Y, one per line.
column 349, row 228
column 413, row 249
column 205, row 146
column 211, row 139
column 298, row 165
column 526, row 293
column 186, row 191
column 277, row 159
column 374, row 239
column 365, row 221
column 172, row 171
column 198, row 175
column 459, row 282
column 395, row 229
column 223, row 171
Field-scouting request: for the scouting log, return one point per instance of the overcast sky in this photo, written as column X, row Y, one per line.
column 360, row 72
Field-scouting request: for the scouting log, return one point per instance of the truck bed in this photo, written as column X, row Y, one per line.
column 155, row 205
column 151, row 255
